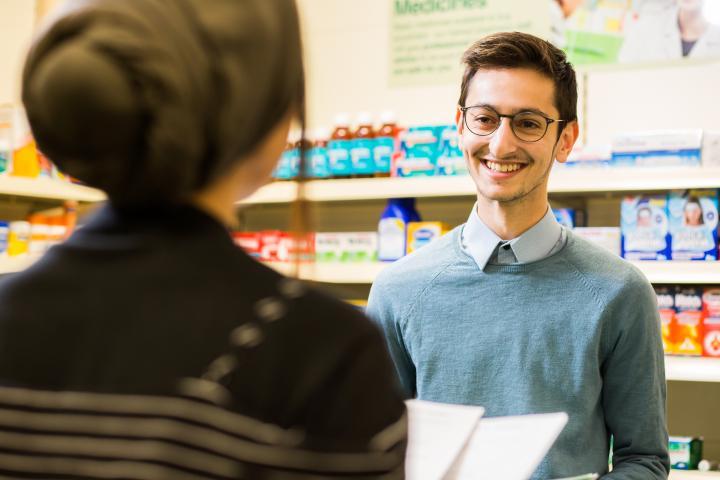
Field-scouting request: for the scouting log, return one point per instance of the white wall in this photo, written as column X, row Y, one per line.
column 17, row 18
column 347, row 52
column 346, row 44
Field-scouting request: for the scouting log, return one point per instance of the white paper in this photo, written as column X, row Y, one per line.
column 509, row 448
column 437, row 434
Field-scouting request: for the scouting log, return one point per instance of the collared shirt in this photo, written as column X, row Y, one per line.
column 485, row 247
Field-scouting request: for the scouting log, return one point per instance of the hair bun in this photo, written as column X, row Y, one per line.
column 84, row 113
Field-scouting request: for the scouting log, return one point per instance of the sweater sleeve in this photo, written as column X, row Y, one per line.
column 634, row 388
column 387, row 315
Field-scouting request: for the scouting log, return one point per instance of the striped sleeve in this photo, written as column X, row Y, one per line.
column 51, row 434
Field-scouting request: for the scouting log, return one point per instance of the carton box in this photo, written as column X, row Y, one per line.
column 693, row 222
column 666, row 307
column 711, row 322
column 644, row 228
column 420, row 234
column 688, row 307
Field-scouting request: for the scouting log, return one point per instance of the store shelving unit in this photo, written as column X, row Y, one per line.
column 47, row 189
column 693, row 475
column 692, row 369
column 562, row 180
column 15, row 264
column 670, row 272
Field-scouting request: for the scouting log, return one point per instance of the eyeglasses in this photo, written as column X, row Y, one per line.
column 527, row 126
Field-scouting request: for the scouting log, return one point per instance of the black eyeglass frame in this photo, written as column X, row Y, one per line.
column 548, row 121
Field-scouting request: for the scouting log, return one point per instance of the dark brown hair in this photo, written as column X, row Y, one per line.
column 151, row 101
column 508, row 50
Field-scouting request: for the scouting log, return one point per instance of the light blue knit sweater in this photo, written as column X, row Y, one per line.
column 577, row 332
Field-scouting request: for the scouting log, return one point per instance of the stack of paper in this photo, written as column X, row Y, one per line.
column 451, row 442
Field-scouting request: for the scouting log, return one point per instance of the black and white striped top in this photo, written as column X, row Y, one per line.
column 150, row 347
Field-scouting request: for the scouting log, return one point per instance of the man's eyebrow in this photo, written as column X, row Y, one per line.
column 514, row 110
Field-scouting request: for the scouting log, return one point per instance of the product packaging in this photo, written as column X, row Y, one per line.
column 666, row 306
column 418, row 152
column 657, row 148
column 644, row 228
column 688, row 317
column 606, row 237
column 420, row 234
column 693, row 218
column 711, row 322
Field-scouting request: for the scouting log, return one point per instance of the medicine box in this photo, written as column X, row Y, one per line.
column 606, row 237
column 658, row 148
column 688, row 318
column 644, row 232
column 693, row 217
column 420, row 234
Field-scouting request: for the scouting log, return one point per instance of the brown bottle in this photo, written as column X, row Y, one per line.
column 363, row 146
column 385, row 144
column 339, row 147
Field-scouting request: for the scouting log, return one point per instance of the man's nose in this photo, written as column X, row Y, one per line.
column 503, row 142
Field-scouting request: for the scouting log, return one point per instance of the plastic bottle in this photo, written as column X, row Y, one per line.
column 318, row 154
column 339, row 147
column 392, row 228
column 385, row 141
column 362, row 147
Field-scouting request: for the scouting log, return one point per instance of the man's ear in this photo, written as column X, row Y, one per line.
column 567, row 140
column 460, row 125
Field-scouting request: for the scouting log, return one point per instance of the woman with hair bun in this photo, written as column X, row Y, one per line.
column 148, row 346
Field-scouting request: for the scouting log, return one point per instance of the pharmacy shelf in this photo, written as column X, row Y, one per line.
column 49, row 189
column 15, row 264
column 562, row 180
column 693, row 475
column 692, row 369
column 671, row 272
column 344, row 273
column 676, row 272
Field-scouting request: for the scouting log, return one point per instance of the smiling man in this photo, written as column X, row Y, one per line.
column 515, row 313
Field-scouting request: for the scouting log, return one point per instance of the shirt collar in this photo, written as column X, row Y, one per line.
column 479, row 241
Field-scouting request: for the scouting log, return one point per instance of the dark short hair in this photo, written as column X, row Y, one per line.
column 508, row 50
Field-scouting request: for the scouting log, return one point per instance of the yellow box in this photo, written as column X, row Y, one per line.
column 420, row 234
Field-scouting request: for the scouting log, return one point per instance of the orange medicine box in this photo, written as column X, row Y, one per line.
column 666, row 307
column 420, row 234
column 711, row 322
column 688, row 304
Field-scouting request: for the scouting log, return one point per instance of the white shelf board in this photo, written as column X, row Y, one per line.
column 693, row 475
column 681, row 272
column 16, row 264
column 344, row 273
column 568, row 180
column 692, row 369
column 47, row 188
column 670, row 272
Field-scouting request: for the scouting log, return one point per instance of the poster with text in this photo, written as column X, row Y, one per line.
column 428, row 37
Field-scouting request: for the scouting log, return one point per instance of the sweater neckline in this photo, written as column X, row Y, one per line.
column 518, row 268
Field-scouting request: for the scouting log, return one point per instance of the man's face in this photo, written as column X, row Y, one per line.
column 509, row 91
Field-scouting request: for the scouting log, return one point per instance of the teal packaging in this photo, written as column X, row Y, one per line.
column 450, row 160
column 644, row 230
column 685, row 452
column 283, row 171
column 392, row 228
column 361, row 155
column 339, row 158
column 382, row 154
column 419, row 152
column 319, row 162
column 694, row 224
